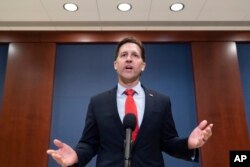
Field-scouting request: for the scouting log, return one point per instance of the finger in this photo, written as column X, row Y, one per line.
column 208, row 130
column 210, row 126
column 206, row 134
column 50, row 152
column 58, row 143
column 203, row 124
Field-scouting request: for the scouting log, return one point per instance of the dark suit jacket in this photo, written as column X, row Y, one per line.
column 104, row 134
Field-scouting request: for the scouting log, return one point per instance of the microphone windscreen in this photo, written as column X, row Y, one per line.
column 129, row 121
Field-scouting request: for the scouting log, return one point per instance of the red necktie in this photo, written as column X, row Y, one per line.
column 130, row 107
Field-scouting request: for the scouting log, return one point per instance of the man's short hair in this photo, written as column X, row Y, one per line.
column 131, row 40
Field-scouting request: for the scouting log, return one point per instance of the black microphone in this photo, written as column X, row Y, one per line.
column 129, row 124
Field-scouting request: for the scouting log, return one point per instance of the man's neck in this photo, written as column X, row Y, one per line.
column 129, row 84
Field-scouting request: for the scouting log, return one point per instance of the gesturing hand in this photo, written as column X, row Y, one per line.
column 200, row 135
column 64, row 155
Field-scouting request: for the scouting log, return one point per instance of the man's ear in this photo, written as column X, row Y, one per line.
column 143, row 67
column 115, row 67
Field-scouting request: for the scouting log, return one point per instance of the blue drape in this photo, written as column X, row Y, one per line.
column 3, row 61
column 243, row 50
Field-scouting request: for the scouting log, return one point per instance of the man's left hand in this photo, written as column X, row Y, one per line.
column 200, row 135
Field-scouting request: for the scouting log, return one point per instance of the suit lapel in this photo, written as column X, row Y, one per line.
column 114, row 111
column 149, row 102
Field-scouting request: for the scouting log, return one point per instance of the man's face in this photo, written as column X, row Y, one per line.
column 129, row 63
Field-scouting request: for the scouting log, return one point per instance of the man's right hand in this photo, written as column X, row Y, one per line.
column 64, row 155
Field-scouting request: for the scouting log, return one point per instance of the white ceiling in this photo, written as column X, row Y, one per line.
column 99, row 15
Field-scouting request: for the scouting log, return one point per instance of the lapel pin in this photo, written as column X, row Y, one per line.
column 150, row 94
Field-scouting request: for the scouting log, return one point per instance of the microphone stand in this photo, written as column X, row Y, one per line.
column 128, row 147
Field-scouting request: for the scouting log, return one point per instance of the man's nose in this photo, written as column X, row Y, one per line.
column 129, row 58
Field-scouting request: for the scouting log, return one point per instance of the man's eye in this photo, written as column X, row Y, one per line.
column 136, row 55
column 123, row 55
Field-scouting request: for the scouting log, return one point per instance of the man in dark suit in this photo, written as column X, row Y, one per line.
column 104, row 135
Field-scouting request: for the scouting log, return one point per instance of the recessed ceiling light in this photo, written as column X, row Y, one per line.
column 124, row 7
column 176, row 7
column 71, row 7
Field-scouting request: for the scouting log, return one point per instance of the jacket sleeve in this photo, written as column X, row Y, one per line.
column 171, row 143
column 88, row 144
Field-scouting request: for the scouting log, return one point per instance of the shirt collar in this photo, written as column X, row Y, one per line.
column 137, row 88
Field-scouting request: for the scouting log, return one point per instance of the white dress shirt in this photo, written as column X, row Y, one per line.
column 139, row 98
